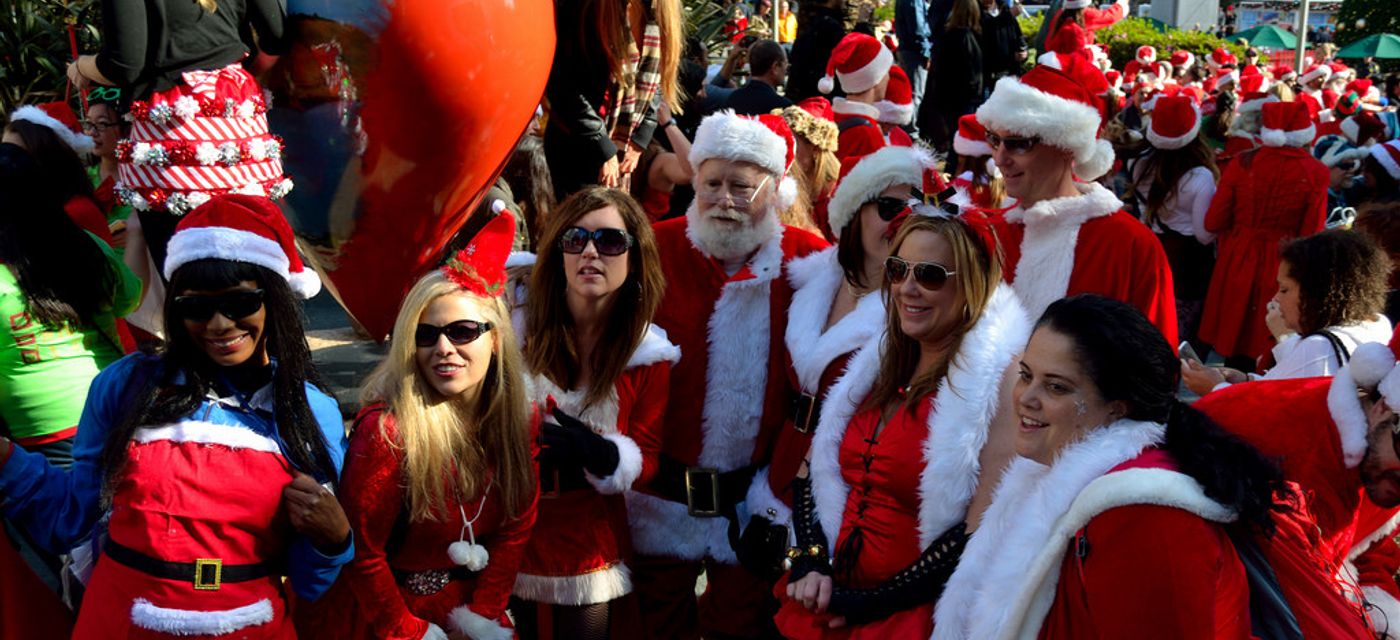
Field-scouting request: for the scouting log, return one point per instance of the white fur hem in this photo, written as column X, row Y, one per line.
column 1383, row 612
column 629, row 466
column 181, row 622
column 473, row 626
column 661, row 527
column 1346, row 412
column 761, row 501
column 1048, row 246
column 595, row 587
column 197, row 432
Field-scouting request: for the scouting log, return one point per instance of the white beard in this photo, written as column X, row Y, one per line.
column 726, row 242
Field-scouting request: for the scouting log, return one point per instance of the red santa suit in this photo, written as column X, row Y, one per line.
column 818, row 355
column 1313, row 100
column 866, row 487
column 577, row 552
column 1070, row 38
column 728, row 400
column 1027, row 571
column 402, row 578
column 860, row 134
column 1264, row 197
column 1086, row 244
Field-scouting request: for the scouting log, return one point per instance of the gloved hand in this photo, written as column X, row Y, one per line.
column 571, row 443
column 761, row 548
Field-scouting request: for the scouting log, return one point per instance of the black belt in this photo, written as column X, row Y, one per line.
column 206, row 574
column 806, row 411
column 706, row 493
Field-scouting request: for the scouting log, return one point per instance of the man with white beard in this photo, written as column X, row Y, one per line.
column 725, row 306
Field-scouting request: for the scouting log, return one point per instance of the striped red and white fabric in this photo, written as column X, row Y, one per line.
column 206, row 137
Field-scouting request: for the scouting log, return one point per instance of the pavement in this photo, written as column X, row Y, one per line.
column 343, row 357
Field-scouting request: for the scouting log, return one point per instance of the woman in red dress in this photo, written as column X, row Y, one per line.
column 439, row 484
column 1072, row 29
column 896, row 460
column 595, row 358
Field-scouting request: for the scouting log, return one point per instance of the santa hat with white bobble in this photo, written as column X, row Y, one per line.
column 58, row 117
column 859, row 61
column 764, row 140
column 898, row 105
column 1373, row 366
column 1175, row 122
column 1286, row 124
column 1059, row 106
column 1183, row 60
column 1315, row 72
column 1146, row 54
column 241, row 228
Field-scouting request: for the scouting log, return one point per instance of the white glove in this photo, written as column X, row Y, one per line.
column 434, row 632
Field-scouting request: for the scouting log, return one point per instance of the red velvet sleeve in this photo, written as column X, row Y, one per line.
column 373, row 501
column 1095, row 19
column 1221, row 214
column 653, row 387
column 507, row 548
column 1161, row 572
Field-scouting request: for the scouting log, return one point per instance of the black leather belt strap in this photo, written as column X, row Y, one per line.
column 707, row 493
column 806, row 410
column 555, row 481
column 206, row 574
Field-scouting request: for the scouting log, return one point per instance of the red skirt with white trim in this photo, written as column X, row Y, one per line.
column 206, row 137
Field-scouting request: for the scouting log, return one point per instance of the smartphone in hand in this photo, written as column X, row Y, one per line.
column 1189, row 353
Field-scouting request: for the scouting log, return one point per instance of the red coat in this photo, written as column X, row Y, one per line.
column 899, row 137
column 367, row 602
column 728, row 396
column 1087, row 244
column 860, row 131
column 1264, row 198
column 1313, row 103
column 577, row 553
column 1070, row 38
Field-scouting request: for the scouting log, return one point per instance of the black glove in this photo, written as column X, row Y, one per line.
column 810, row 554
column 762, row 547
column 919, row 583
column 572, row 444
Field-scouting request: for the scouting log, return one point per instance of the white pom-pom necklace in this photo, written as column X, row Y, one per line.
column 465, row 551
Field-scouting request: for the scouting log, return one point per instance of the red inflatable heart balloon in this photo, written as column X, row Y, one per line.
column 396, row 116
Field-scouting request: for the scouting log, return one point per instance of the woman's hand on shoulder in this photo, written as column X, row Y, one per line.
column 316, row 513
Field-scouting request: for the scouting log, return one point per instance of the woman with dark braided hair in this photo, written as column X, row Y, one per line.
column 204, row 472
column 895, row 482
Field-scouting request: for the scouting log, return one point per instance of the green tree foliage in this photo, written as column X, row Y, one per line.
column 35, row 50
column 1124, row 38
column 1378, row 16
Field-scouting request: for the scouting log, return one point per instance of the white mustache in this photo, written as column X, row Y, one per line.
column 726, row 214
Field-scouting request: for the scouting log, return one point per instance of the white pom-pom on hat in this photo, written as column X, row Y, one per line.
column 1370, row 363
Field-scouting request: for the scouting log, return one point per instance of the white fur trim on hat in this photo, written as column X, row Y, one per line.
column 892, row 113
column 1076, row 4
column 731, row 137
column 199, row 243
column 1282, row 138
column 79, row 142
column 1163, row 142
column 864, row 78
column 968, row 147
column 1382, row 155
column 1256, row 105
column 874, row 173
column 1020, row 109
column 1322, row 71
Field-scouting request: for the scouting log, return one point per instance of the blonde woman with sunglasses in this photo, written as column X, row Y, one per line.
column 896, row 483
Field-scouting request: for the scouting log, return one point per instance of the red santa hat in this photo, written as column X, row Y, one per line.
column 1254, row 92
column 764, row 140
column 241, row 228
column 859, row 61
column 480, row 267
column 1341, row 70
column 1060, row 107
column 1363, row 129
column 880, row 170
column 1286, row 124
column 1315, row 72
column 1146, row 54
column 1221, row 58
column 1114, row 78
column 898, row 105
column 1183, row 60
column 1282, row 72
column 58, row 117
column 1175, row 122
column 1388, row 155
column 1226, row 76
column 971, row 138
column 814, row 121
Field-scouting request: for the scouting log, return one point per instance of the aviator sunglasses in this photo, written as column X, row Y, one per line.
column 929, row 275
column 608, row 242
column 889, row 207
column 1013, row 145
column 234, row 305
column 458, row 333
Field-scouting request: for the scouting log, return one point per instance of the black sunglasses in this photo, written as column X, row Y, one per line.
column 929, row 275
column 1014, row 145
column 234, row 305
column 890, row 207
column 608, row 242
column 458, row 333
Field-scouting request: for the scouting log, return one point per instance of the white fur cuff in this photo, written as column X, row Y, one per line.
column 629, row 466
column 473, row 626
column 1384, row 612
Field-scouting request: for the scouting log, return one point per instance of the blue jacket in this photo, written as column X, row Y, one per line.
column 911, row 26
column 59, row 509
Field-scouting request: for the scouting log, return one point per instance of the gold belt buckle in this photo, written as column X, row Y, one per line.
column 805, row 417
column 200, row 568
column 692, row 484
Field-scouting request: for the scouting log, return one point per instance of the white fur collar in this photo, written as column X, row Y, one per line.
column 842, row 106
column 1005, row 581
column 966, row 401
column 655, row 347
column 816, row 279
column 1048, row 245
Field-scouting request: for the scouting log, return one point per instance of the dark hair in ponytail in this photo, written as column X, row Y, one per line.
column 1128, row 360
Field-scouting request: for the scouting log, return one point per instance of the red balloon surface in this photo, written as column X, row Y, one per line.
column 397, row 115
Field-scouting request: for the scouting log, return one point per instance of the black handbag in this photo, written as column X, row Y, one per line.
column 1270, row 616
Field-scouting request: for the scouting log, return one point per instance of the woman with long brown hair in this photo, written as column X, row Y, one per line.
column 896, row 480
column 600, row 366
column 816, row 168
column 439, row 483
column 1174, row 183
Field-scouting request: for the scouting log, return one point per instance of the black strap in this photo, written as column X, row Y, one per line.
column 669, row 483
column 195, row 573
column 851, row 123
column 1270, row 615
column 1339, row 350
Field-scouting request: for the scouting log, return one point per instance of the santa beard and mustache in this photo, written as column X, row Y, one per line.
column 729, row 234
